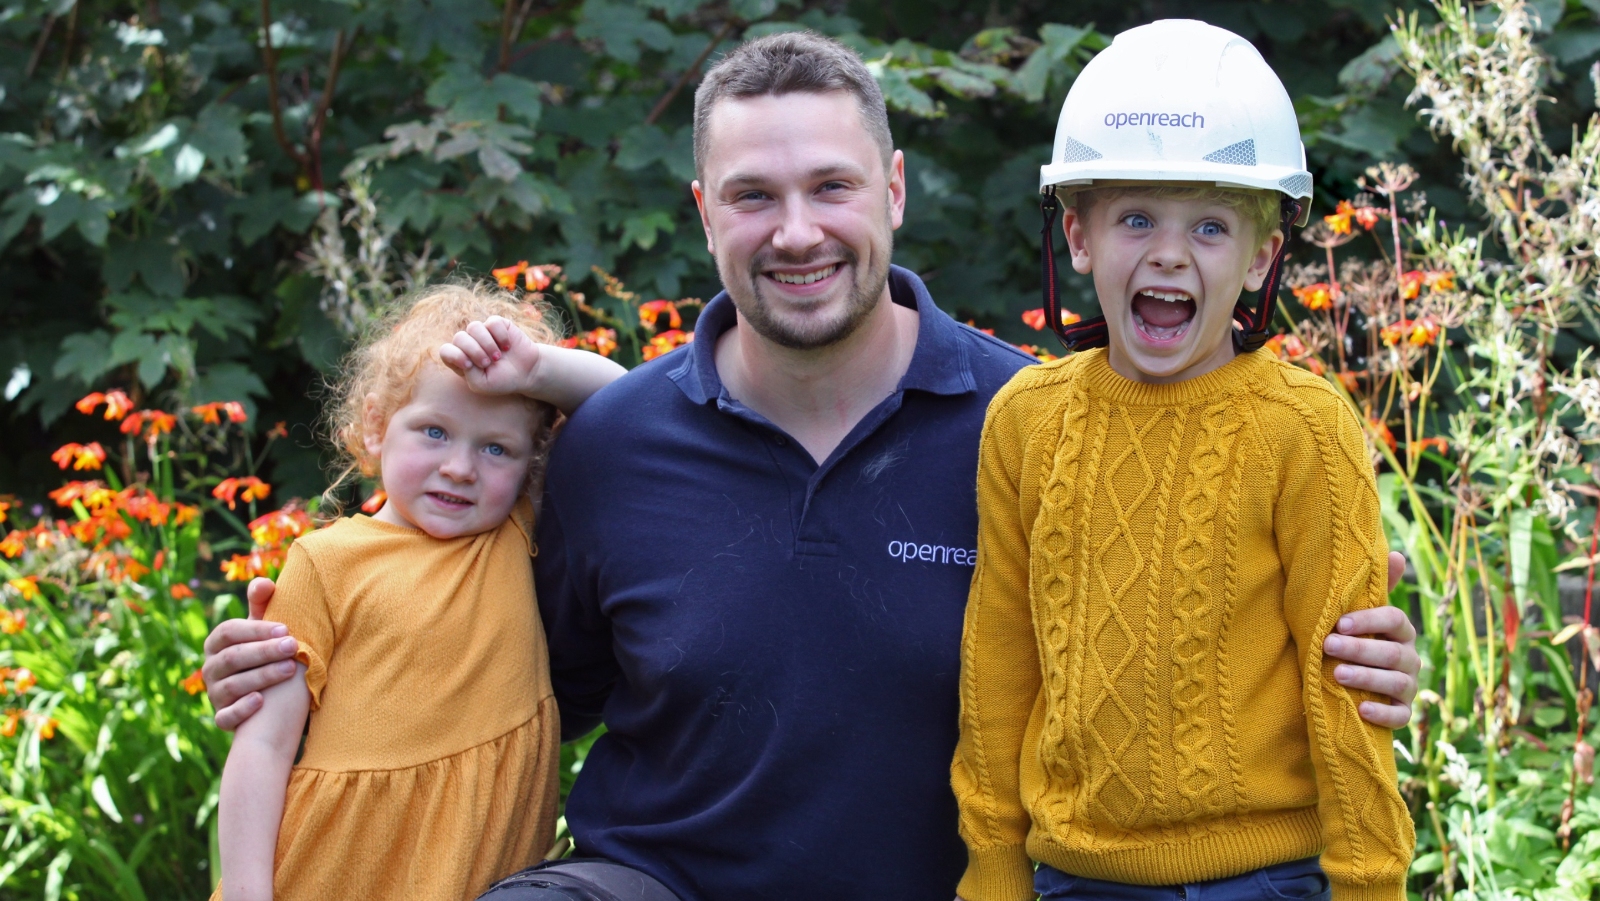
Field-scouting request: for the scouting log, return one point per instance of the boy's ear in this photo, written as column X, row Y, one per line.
column 1257, row 273
column 1072, row 225
column 372, row 426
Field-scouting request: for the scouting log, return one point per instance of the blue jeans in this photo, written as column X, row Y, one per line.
column 1298, row 879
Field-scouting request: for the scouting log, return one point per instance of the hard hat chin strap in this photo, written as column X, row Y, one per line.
column 1254, row 323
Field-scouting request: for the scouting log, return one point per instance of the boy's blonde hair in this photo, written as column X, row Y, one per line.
column 395, row 347
column 1259, row 208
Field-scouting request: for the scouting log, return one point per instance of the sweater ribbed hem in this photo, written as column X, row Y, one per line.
column 1382, row 891
column 1102, row 380
column 1203, row 856
column 997, row 874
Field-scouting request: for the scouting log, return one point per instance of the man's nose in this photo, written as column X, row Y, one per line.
column 799, row 230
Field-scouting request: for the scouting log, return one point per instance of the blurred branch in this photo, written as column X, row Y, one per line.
column 38, row 47
column 308, row 159
column 667, row 98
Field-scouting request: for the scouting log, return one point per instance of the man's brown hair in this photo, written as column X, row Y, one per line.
column 793, row 62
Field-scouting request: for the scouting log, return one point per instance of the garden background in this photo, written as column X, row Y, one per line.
column 201, row 202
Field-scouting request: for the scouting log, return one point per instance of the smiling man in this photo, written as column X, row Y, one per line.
column 755, row 551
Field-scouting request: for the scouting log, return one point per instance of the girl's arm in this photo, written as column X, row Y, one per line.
column 254, row 781
column 496, row 357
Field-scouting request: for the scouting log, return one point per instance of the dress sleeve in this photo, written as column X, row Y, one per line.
column 1330, row 539
column 1000, row 675
column 300, row 601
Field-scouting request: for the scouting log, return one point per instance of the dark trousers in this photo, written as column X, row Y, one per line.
column 1297, row 879
column 578, row 879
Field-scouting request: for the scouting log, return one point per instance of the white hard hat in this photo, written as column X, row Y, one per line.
column 1180, row 101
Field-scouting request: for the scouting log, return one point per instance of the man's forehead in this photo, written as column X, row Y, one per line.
column 753, row 136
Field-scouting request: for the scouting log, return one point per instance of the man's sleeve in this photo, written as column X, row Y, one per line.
column 1000, row 678
column 300, row 601
column 583, row 666
column 1335, row 558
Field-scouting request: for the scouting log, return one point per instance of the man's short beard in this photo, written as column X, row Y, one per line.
column 867, row 289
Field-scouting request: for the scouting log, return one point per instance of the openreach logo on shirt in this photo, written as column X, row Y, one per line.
column 1172, row 120
column 907, row 551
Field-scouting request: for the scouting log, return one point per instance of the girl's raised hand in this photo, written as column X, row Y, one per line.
column 495, row 357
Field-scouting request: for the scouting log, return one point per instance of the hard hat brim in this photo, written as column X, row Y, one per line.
column 1266, row 178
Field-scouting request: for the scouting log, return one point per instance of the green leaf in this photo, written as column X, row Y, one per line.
column 85, row 356
column 642, row 230
column 900, row 94
column 1521, row 544
column 218, row 133
column 624, row 29
column 1373, row 69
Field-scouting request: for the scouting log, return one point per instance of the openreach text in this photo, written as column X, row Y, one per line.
column 1176, row 120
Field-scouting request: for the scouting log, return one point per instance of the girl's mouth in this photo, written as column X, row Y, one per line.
column 1163, row 317
column 451, row 501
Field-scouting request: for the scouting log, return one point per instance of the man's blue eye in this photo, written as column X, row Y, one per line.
column 434, row 432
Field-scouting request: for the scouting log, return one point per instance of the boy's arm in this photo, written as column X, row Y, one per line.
column 254, row 781
column 1000, row 678
column 496, row 357
column 1335, row 558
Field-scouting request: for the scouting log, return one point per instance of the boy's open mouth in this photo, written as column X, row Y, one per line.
column 1163, row 315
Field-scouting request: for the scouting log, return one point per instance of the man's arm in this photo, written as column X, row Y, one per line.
column 1385, row 663
column 253, row 784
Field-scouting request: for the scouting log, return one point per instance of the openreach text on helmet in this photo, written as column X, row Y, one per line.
column 1177, row 120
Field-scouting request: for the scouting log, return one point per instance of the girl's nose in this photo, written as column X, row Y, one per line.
column 458, row 466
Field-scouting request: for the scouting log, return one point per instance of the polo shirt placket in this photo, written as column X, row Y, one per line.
column 772, row 641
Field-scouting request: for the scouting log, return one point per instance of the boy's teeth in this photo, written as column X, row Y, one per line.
column 1169, row 296
column 1161, row 333
column 805, row 279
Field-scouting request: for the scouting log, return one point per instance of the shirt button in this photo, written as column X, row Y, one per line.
column 1183, row 892
column 779, row 440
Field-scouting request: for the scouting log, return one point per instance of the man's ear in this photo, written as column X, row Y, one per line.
column 1257, row 273
column 897, row 189
column 372, row 426
column 1072, row 225
column 705, row 222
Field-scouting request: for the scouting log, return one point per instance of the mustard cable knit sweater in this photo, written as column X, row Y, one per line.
column 1144, row 697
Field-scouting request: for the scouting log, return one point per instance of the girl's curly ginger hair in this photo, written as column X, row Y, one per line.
column 396, row 346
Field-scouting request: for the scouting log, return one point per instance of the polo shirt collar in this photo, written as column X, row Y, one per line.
column 939, row 364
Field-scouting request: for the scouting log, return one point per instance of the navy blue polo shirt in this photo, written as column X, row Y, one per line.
column 772, row 642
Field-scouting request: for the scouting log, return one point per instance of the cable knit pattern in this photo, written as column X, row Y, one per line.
column 1175, row 554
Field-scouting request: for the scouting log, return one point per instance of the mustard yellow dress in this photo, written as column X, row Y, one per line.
column 430, row 767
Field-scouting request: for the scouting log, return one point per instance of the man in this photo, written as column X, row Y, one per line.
column 755, row 552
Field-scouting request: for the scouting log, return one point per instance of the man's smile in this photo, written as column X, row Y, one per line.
column 801, row 278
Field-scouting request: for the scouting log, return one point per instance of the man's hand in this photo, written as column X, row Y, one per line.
column 1385, row 664
column 244, row 656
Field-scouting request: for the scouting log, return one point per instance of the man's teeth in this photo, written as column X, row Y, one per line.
column 805, row 279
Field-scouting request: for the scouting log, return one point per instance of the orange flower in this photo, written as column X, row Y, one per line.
column 507, row 276
column 80, row 456
column 235, row 411
column 247, row 489
column 1369, row 216
column 185, row 514
column 1070, row 318
column 117, row 404
column 1038, row 353
column 194, row 683
column 4, row 506
column 180, row 591
column 1439, row 444
column 536, row 279
column 1439, row 280
column 1315, row 297
column 375, row 503
column 210, row 414
column 1339, row 222
column 1314, row 365
column 24, row 680
column 1390, row 334
column 244, row 567
column 9, row 727
column 1416, row 332
column 1410, row 284
column 280, row 526
column 13, row 622
column 161, row 423
column 1034, row 319
column 47, row 729
column 14, row 544
column 650, row 314
column 74, row 491
column 27, row 586
column 1349, row 380
column 280, row 429
column 1380, row 432
column 666, row 341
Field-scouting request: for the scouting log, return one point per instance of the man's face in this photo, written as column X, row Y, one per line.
column 1168, row 273
column 799, row 213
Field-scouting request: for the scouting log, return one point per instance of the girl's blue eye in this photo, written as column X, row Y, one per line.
column 1137, row 220
column 434, row 432
column 496, row 450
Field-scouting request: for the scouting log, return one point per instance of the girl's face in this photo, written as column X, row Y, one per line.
column 453, row 462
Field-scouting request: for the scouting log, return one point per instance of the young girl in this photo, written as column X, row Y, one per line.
column 430, row 765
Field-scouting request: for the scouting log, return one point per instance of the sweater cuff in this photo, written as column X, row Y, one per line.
column 998, row 874
column 1380, row 891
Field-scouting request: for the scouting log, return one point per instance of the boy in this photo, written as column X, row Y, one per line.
column 1171, row 525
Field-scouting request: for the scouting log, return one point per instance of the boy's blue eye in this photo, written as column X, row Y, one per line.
column 1213, row 229
column 1137, row 220
column 434, row 432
